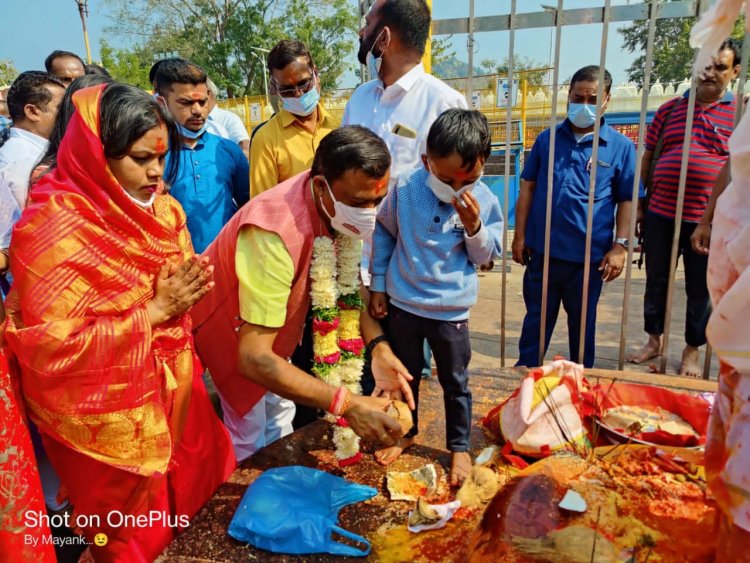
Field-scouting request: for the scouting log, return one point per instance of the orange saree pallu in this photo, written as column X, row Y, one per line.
column 123, row 413
column 22, row 535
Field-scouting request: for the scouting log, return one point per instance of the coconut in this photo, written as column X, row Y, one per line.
column 479, row 488
column 400, row 411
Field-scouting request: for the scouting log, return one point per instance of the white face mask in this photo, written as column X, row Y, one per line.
column 444, row 192
column 355, row 222
column 142, row 204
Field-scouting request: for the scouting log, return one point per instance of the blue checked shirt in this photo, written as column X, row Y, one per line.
column 422, row 257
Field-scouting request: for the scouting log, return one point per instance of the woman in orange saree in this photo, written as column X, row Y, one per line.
column 104, row 274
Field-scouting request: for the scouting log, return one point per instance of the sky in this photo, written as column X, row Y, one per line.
column 40, row 26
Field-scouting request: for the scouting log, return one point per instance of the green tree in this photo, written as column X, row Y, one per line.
column 442, row 53
column 8, row 72
column 128, row 66
column 488, row 65
column 224, row 36
column 672, row 56
column 523, row 67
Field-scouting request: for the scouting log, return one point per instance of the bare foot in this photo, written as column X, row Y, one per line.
column 389, row 455
column 652, row 349
column 460, row 468
column 690, row 366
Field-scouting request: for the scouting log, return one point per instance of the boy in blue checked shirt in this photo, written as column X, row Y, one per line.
column 434, row 229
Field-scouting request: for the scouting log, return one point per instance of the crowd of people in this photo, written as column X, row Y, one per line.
column 147, row 241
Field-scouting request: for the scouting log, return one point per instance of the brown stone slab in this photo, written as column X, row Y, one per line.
column 206, row 539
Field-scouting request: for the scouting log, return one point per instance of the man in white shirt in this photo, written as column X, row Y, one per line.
column 402, row 101
column 225, row 123
column 33, row 100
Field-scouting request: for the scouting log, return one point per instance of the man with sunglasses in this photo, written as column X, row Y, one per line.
column 286, row 144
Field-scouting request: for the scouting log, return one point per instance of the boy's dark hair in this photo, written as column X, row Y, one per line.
column 58, row 54
column 591, row 74
column 30, row 87
column 286, row 51
column 351, row 147
column 178, row 71
column 97, row 70
column 411, row 21
column 461, row 131
column 735, row 46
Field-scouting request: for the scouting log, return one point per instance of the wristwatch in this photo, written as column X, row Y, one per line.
column 623, row 241
column 374, row 342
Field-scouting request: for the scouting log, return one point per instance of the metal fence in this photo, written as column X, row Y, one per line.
column 543, row 107
column 605, row 15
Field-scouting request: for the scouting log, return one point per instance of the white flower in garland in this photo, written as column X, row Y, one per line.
column 349, row 253
column 346, row 441
column 324, row 290
column 337, row 341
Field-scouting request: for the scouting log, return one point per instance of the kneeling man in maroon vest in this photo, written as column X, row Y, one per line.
column 249, row 325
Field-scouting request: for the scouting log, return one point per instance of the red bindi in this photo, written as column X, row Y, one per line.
column 195, row 96
column 161, row 146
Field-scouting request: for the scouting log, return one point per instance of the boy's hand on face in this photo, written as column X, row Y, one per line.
column 378, row 305
column 468, row 210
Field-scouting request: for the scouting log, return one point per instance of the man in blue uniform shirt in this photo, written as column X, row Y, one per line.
column 214, row 176
column 615, row 174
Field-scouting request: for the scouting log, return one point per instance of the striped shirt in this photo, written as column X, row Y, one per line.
column 709, row 150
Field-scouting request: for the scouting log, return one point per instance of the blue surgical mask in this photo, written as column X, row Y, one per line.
column 374, row 63
column 581, row 115
column 188, row 134
column 304, row 105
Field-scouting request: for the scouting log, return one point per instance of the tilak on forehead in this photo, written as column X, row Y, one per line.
column 461, row 174
column 161, row 146
column 380, row 185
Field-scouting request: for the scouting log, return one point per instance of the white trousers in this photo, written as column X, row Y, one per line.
column 269, row 420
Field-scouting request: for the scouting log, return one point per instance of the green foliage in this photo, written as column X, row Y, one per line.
column 8, row 72
column 326, row 315
column 673, row 56
column 524, row 67
column 442, row 54
column 127, row 66
column 351, row 301
column 219, row 35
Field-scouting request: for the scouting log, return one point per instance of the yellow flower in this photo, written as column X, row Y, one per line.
column 349, row 324
column 325, row 345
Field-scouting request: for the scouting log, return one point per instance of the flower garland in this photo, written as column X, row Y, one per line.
column 338, row 347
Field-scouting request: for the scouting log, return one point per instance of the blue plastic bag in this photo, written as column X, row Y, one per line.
column 295, row 510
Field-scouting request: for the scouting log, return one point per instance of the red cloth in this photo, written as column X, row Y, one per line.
column 694, row 410
column 122, row 410
column 20, row 490
column 289, row 211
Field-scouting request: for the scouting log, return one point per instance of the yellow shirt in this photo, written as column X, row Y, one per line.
column 265, row 272
column 283, row 148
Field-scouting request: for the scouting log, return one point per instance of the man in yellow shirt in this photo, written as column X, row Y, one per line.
column 286, row 144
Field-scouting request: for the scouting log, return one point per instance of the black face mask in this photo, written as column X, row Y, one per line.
column 366, row 45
